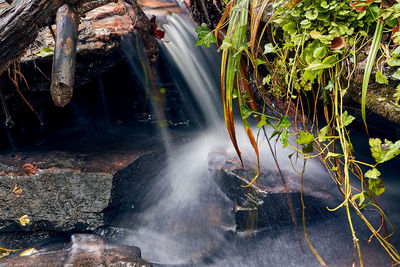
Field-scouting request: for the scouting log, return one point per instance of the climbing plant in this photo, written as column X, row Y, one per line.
column 305, row 54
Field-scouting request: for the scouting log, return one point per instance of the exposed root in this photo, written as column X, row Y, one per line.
column 15, row 81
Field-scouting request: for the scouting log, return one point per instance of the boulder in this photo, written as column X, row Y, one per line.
column 265, row 204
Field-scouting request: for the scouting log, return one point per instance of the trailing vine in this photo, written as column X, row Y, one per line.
column 304, row 50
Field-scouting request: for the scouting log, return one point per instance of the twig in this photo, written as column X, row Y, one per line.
column 8, row 120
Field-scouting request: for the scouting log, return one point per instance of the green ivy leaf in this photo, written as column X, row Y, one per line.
column 323, row 133
column 347, row 119
column 260, row 62
column 284, row 137
column 361, row 197
column 376, row 186
column 204, row 36
column 376, row 149
column 383, row 152
column 305, row 138
column 273, row 134
column 263, row 121
column 308, row 148
column 380, row 78
column 373, row 173
column 324, row 4
column 307, row 141
column 284, row 123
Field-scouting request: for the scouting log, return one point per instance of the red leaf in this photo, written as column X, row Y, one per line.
column 360, row 9
column 159, row 33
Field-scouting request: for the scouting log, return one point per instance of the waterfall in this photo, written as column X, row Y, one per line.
column 193, row 224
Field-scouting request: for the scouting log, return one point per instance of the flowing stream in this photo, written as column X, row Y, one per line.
column 193, row 224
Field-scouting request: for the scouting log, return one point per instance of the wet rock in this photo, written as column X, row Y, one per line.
column 131, row 185
column 21, row 239
column 64, row 192
column 265, row 204
column 82, row 250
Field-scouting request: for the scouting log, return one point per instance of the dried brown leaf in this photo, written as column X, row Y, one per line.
column 337, row 43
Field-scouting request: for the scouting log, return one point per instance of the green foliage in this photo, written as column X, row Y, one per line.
column 284, row 123
column 347, row 119
column 394, row 62
column 263, row 121
column 305, row 138
column 45, row 51
column 376, row 186
column 307, row 141
column 383, row 152
column 284, row 137
column 323, row 133
column 205, row 36
column 373, row 173
column 361, row 197
column 380, row 78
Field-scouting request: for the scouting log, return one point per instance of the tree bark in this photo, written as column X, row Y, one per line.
column 21, row 21
column 63, row 73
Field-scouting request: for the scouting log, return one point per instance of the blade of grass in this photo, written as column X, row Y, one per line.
column 368, row 68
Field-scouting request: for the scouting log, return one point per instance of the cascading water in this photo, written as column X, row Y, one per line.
column 194, row 222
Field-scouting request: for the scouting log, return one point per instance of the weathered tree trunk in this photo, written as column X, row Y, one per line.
column 21, row 21
column 63, row 73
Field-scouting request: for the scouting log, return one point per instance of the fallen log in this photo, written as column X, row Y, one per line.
column 20, row 23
